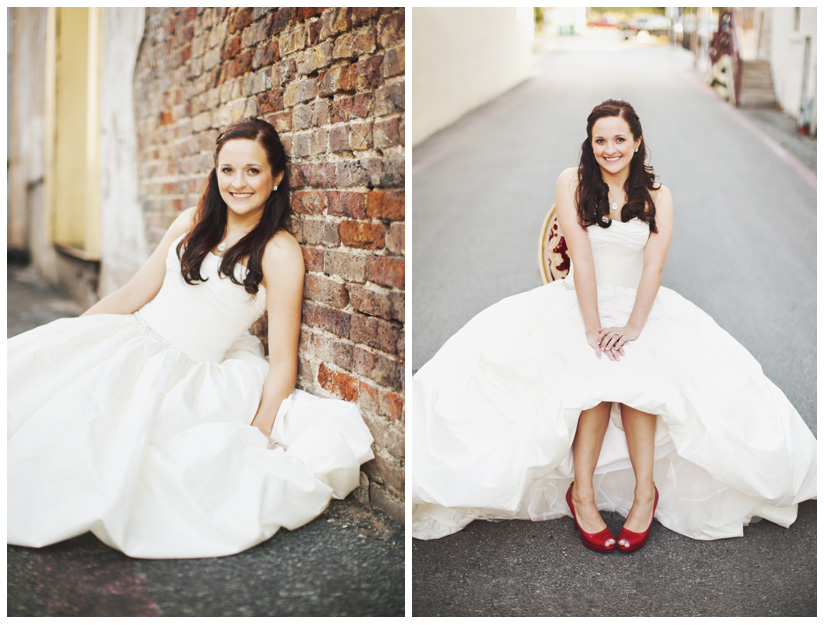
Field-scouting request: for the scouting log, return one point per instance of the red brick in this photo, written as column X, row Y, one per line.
column 321, row 232
column 395, row 238
column 332, row 320
column 368, row 236
column 339, row 138
column 391, row 29
column 231, row 48
column 360, row 135
column 377, row 333
column 240, row 20
column 363, row 14
column 322, row 175
column 333, row 21
column 389, row 99
column 270, row 102
column 386, row 205
column 386, row 271
column 386, row 133
column 379, row 402
column 338, row 382
column 305, row 13
column 394, row 62
column 265, row 54
column 241, row 64
column 313, row 259
column 300, row 91
column 278, row 20
column 347, row 203
column 326, row 290
column 352, row 45
column 368, row 73
column 377, row 367
column 282, row 120
column 308, row 202
column 347, row 265
column 377, row 301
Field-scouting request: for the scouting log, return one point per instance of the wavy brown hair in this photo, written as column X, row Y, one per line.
column 591, row 194
column 210, row 216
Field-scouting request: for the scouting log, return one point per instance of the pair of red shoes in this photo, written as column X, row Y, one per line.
column 598, row 541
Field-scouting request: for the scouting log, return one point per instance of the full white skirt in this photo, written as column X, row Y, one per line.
column 112, row 431
column 496, row 410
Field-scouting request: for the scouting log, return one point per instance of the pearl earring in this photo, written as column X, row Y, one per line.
column 275, row 188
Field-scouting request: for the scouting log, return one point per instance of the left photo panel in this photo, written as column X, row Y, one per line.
column 205, row 313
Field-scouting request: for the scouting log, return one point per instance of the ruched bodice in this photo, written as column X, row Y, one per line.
column 205, row 318
column 618, row 252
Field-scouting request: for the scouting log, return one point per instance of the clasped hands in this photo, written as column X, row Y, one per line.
column 266, row 431
column 611, row 340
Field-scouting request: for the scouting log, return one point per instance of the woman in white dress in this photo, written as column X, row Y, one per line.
column 605, row 390
column 154, row 419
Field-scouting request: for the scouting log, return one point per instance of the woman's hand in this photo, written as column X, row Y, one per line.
column 271, row 444
column 612, row 339
column 258, row 423
column 593, row 338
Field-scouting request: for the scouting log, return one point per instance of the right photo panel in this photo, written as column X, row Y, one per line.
column 613, row 398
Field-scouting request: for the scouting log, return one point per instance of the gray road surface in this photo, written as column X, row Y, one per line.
column 744, row 250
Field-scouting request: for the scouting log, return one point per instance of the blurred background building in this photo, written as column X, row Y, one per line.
column 112, row 119
column 464, row 58
column 753, row 57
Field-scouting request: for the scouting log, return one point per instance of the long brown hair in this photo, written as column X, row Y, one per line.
column 210, row 216
column 591, row 194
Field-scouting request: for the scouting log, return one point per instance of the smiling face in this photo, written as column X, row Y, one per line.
column 613, row 144
column 245, row 178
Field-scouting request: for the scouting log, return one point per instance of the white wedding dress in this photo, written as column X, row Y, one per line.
column 137, row 428
column 496, row 409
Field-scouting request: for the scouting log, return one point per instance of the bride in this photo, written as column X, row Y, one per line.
column 154, row 420
column 605, row 390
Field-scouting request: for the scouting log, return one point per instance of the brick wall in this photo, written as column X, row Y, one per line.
column 331, row 81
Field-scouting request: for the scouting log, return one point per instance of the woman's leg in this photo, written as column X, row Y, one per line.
column 586, row 448
column 639, row 430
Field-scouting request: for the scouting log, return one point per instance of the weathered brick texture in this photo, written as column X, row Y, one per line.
column 331, row 81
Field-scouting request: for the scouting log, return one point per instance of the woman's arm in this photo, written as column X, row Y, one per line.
column 146, row 283
column 651, row 280
column 283, row 268
column 578, row 246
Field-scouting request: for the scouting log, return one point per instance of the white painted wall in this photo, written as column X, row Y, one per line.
column 123, row 242
column 787, row 58
column 464, row 57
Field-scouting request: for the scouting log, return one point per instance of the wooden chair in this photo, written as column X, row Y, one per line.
column 553, row 258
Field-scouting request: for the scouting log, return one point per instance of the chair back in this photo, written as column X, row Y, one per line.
column 554, row 261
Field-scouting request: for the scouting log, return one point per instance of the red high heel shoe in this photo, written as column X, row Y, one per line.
column 636, row 540
column 595, row 542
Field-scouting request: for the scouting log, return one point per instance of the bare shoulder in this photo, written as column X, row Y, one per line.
column 284, row 253
column 662, row 193
column 663, row 199
column 184, row 222
column 569, row 177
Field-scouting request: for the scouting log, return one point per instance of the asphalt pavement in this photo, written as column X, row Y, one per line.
column 744, row 250
column 347, row 562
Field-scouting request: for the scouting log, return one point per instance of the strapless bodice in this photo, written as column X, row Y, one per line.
column 618, row 252
column 205, row 318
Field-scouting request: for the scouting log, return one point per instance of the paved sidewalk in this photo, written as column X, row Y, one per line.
column 347, row 562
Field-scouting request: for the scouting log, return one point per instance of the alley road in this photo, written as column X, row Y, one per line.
column 744, row 250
